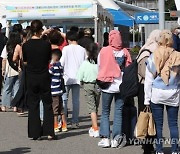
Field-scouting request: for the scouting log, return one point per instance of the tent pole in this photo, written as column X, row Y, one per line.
column 96, row 29
column 7, row 28
column 133, row 35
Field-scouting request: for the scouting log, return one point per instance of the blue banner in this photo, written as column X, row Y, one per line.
column 147, row 18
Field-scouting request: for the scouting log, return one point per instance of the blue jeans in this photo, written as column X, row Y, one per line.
column 10, row 88
column 75, row 101
column 172, row 113
column 106, row 107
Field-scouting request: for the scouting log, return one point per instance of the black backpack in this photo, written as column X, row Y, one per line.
column 130, row 81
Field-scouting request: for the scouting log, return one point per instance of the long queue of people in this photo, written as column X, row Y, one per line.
column 36, row 70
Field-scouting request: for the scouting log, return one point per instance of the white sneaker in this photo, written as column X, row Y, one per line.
column 104, row 143
column 159, row 152
column 93, row 133
column 176, row 153
column 119, row 141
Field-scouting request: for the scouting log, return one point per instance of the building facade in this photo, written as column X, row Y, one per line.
column 149, row 4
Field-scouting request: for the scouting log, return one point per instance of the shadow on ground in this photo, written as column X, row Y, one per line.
column 21, row 150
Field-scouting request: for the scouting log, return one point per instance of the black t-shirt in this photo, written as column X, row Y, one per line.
column 37, row 54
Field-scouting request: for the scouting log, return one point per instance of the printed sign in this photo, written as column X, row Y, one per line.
column 147, row 17
column 49, row 11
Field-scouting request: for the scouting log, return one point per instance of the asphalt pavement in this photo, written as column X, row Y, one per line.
column 14, row 140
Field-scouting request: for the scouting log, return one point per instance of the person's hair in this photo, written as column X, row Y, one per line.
column 55, row 37
column 81, row 34
column 74, row 29
column 57, row 28
column 92, row 50
column 17, row 28
column 45, row 38
column 72, row 36
column 36, row 27
column 14, row 39
column 57, row 53
column 0, row 26
column 166, row 38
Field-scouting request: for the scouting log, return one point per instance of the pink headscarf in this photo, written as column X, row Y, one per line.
column 115, row 40
column 109, row 68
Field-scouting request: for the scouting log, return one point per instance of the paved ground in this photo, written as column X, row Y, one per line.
column 13, row 138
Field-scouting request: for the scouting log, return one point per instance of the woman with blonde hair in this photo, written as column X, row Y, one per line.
column 149, row 47
column 162, row 89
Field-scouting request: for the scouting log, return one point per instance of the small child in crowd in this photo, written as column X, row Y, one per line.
column 57, row 90
column 87, row 74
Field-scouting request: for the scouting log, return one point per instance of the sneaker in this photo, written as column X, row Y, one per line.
column 93, row 133
column 175, row 152
column 64, row 128
column 56, row 130
column 104, row 143
column 74, row 125
column 159, row 152
column 119, row 141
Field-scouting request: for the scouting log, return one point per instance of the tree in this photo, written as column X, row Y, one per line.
column 169, row 6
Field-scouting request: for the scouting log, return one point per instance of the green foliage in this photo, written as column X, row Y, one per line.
column 135, row 50
column 169, row 6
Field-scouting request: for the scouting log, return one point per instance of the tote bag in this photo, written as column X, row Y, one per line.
column 145, row 124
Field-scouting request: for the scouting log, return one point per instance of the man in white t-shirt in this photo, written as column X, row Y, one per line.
column 72, row 57
column 11, row 81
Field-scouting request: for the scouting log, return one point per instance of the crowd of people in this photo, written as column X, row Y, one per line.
column 40, row 67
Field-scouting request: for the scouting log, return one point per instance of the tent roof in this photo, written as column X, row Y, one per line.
column 120, row 16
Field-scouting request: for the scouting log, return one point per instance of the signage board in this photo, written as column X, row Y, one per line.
column 50, row 11
column 147, row 18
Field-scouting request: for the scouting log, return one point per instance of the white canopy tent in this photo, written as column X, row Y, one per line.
column 62, row 12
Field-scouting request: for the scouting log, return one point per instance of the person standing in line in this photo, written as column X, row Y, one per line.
column 56, row 71
column 176, row 39
column 73, row 56
column 162, row 89
column 57, row 81
column 10, row 70
column 145, row 52
column 3, row 41
column 36, row 57
column 87, row 74
column 112, row 60
column 86, row 39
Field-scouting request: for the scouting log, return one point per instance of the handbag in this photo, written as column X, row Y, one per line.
column 145, row 124
column 151, row 126
column 102, row 84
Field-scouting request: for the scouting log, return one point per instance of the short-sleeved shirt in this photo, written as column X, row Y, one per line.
column 37, row 54
column 9, row 71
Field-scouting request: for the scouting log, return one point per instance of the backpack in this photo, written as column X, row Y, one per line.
column 130, row 81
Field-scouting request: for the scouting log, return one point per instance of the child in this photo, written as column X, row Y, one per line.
column 56, row 72
column 87, row 74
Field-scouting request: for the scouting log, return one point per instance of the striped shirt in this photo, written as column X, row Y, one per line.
column 56, row 71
